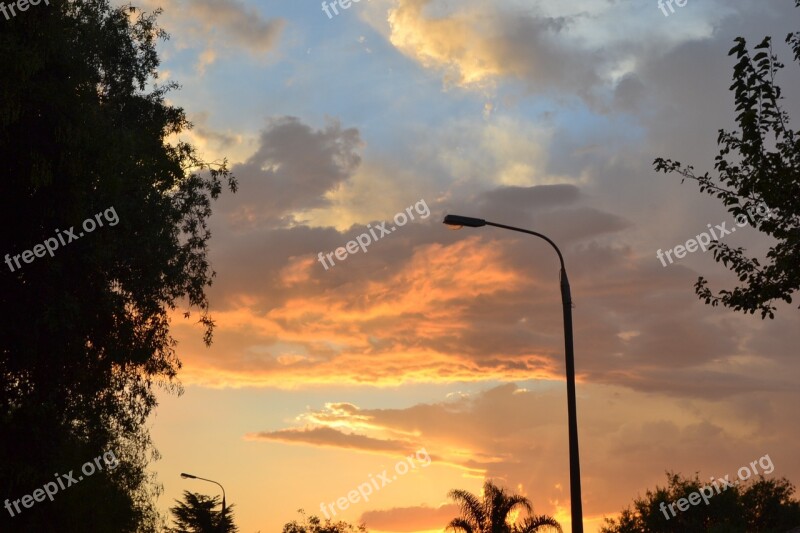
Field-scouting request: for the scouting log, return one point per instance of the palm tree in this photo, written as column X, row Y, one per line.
column 491, row 514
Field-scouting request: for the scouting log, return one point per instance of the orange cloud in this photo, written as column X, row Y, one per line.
column 476, row 45
column 382, row 332
column 323, row 436
column 419, row 519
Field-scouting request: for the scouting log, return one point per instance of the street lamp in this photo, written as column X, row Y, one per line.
column 222, row 516
column 457, row 222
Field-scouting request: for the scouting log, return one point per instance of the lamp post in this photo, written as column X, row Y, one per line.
column 576, row 508
column 222, row 516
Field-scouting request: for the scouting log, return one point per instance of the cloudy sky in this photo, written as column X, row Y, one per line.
column 540, row 114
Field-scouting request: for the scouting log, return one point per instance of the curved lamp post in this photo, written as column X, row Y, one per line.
column 222, row 516
column 576, row 508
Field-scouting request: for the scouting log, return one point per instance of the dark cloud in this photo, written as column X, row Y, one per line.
column 292, row 169
column 323, row 436
column 242, row 25
column 524, row 198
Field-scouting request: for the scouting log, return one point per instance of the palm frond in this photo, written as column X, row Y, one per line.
column 498, row 505
column 509, row 503
column 470, row 506
column 460, row 525
column 537, row 523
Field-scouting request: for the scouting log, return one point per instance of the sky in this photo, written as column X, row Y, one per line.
column 432, row 359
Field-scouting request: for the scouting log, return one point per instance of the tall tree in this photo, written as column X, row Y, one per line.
column 761, row 506
column 198, row 514
column 84, row 334
column 759, row 165
column 490, row 514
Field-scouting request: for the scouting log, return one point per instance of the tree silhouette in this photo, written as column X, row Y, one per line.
column 491, row 513
column 198, row 514
column 762, row 506
column 758, row 167
column 313, row 524
column 85, row 332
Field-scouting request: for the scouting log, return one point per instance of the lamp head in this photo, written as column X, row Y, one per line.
column 457, row 221
column 184, row 476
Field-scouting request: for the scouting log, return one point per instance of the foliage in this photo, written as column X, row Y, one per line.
column 762, row 506
column 313, row 524
column 84, row 335
column 197, row 514
column 757, row 165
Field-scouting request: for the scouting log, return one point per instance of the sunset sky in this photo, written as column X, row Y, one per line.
column 541, row 114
